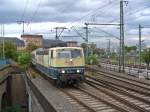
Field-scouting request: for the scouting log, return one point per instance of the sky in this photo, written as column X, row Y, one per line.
column 42, row 16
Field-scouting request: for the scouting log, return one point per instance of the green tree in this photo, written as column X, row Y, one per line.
column 146, row 57
column 84, row 46
column 93, row 48
column 10, row 50
column 24, row 59
column 92, row 60
column 113, row 55
column 30, row 47
column 130, row 48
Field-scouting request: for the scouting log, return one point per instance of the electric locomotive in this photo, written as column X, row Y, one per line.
column 65, row 65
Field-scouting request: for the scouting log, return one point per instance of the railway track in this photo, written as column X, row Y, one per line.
column 94, row 96
column 134, row 100
column 96, row 69
column 88, row 102
column 124, row 82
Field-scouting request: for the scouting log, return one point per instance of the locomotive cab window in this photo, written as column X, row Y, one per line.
column 63, row 54
column 75, row 53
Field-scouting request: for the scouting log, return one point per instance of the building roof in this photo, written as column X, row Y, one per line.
column 15, row 40
column 47, row 43
column 30, row 35
column 57, row 48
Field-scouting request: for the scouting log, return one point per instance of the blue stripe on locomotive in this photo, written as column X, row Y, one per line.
column 47, row 71
column 55, row 72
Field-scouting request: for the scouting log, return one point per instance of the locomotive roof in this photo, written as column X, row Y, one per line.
column 55, row 48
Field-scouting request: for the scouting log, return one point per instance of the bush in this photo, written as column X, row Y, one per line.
column 24, row 59
column 92, row 60
column 34, row 75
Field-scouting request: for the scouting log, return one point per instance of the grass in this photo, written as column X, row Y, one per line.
column 34, row 74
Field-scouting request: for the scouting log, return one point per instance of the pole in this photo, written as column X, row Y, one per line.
column 123, row 51
column 2, row 38
column 140, row 45
column 23, row 29
column 3, row 35
column 120, row 49
column 56, row 34
column 108, row 47
column 87, row 40
column 122, row 34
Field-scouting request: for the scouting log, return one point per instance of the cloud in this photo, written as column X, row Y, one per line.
column 52, row 13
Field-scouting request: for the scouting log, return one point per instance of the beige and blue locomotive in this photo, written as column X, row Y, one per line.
column 62, row 64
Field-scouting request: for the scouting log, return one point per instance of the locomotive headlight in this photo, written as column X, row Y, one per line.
column 78, row 71
column 63, row 71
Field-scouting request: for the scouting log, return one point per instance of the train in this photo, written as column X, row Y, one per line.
column 64, row 65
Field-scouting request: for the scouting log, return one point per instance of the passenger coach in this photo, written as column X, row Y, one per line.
column 62, row 64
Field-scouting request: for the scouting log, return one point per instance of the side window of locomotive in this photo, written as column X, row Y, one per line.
column 33, row 56
column 52, row 54
column 76, row 53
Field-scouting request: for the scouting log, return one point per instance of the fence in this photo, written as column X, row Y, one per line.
column 4, row 63
column 134, row 71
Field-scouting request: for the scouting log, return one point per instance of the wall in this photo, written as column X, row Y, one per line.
column 34, row 39
column 2, row 91
column 3, row 63
column 72, row 44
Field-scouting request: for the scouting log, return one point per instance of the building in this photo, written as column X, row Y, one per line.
column 33, row 39
column 48, row 43
column 72, row 43
column 19, row 43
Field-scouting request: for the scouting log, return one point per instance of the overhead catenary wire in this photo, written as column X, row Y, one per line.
column 131, row 12
column 36, row 11
column 24, row 11
column 93, row 12
column 96, row 12
column 109, row 34
column 82, row 17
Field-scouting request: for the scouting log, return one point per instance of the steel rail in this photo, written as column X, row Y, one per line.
column 80, row 102
column 117, row 89
column 89, row 68
column 138, row 108
column 104, row 101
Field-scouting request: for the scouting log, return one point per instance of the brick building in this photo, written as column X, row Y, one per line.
column 71, row 43
column 34, row 39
